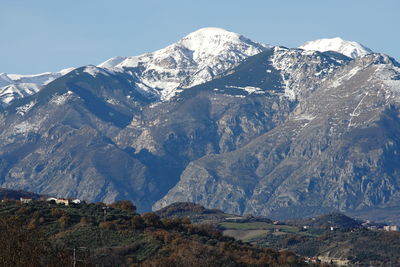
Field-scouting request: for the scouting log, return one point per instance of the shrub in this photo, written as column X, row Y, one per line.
column 84, row 221
column 64, row 221
column 23, row 247
column 137, row 222
column 151, row 219
column 108, row 225
column 124, row 205
column 175, row 223
column 57, row 213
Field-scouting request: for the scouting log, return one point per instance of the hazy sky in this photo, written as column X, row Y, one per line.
column 48, row 35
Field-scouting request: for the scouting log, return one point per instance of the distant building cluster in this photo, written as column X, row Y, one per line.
column 64, row 201
column 391, row 228
column 25, row 200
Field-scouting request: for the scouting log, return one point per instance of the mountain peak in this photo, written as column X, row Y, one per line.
column 213, row 41
column 194, row 59
column 337, row 44
column 212, row 32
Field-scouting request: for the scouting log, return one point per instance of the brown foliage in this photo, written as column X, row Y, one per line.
column 33, row 224
column 108, row 225
column 183, row 250
column 151, row 219
column 64, row 221
column 204, row 229
column 189, row 254
column 57, row 213
column 22, row 247
column 85, row 221
column 124, row 205
column 23, row 210
column 137, row 222
column 178, row 224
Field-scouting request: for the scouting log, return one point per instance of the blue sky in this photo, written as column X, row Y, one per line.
column 48, row 35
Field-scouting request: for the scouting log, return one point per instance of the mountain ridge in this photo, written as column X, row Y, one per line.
column 217, row 169
column 207, row 52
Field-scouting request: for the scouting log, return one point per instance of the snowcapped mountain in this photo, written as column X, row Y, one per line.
column 14, row 86
column 195, row 59
column 347, row 48
column 17, row 90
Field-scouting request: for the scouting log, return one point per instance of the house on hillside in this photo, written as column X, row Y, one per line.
column 64, row 201
column 391, row 228
column 76, row 201
column 25, row 200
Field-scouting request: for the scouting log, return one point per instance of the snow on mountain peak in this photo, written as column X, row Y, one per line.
column 347, row 48
column 197, row 45
column 202, row 38
column 213, row 41
column 212, row 32
column 195, row 59
column 13, row 86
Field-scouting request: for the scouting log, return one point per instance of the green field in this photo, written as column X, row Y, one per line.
column 259, row 226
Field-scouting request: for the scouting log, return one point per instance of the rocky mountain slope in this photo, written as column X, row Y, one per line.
column 215, row 119
column 336, row 151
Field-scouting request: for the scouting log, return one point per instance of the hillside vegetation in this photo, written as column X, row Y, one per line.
column 332, row 237
column 41, row 233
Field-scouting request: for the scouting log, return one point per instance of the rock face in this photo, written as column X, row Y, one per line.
column 337, row 150
column 242, row 127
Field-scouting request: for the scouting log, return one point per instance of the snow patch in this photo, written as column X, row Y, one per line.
column 112, row 62
column 94, row 71
column 13, row 86
column 24, row 109
column 282, row 61
column 12, row 91
column 307, row 117
column 112, row 101
column 25, row 127
column 296, row 65
column 347, row 48
column 391, row 78
column 347, row 76
column 248, row 89
column 66, row 71
column 62, row 99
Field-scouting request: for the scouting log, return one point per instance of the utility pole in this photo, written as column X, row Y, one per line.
column 74, row 262
column 105, row 212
